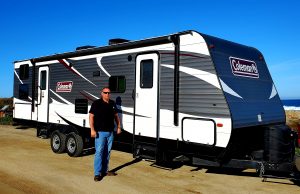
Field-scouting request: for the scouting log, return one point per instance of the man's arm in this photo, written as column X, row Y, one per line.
column 117, row 119
column 91, row 118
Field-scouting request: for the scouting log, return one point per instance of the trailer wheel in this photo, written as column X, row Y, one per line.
column 74, row 144
column 58, row 142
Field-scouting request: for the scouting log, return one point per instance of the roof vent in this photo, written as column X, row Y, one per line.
column 84, row 47
column 117, row 41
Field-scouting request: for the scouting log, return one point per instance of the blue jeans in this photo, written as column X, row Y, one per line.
column 103, row 144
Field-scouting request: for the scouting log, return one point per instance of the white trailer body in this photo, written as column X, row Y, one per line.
column 184, row 94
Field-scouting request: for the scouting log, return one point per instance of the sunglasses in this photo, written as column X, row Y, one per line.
column 106, row 92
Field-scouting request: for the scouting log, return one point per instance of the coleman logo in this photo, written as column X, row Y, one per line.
column 64, row 86
column 242, row 67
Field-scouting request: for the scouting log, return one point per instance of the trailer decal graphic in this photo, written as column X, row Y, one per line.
column 203, row 75
column 53, row 101
column 273, row 92
column 228, row 90
column 211, row 79
column 243, row 67
column 86, row 96
column 69, row 122
column 91, row 94
column 69, row 66
column 18, row 77
column 61, row 98
column 120, row 111
column 101, row 67
column 65, row 86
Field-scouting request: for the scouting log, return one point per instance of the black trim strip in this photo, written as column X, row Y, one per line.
column 185, row 54
column 48, row 89
column 176, row 40
column 111, row 48
column 157, row 108
column 33, row 86
column 129, row 113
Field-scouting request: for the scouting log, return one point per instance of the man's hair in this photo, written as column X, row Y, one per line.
column 106, row 87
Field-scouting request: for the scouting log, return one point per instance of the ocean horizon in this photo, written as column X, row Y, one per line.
column 291, row 104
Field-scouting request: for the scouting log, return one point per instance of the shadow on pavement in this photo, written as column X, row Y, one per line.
column 136, row 160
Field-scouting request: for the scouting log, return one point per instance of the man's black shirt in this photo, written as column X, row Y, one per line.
column 103, row 115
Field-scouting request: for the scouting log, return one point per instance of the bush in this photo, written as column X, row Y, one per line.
column 6, row 101
column 7, row 120
column 297, row 152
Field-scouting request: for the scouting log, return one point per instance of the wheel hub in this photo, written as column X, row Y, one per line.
column 56, row 142
column 71, row 145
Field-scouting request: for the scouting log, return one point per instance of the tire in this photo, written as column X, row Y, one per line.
column 74, row 144
column 58, row 142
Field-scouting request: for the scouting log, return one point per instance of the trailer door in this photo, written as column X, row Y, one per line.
column 43, row 94
column 146, row 95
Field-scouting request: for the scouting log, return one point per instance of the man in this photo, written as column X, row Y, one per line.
column 102, row 117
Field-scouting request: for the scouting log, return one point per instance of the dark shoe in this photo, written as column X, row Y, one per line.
column 111, row 173
column 98, row 178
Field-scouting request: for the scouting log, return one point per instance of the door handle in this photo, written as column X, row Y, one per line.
column 40, row 101
column 132, row 94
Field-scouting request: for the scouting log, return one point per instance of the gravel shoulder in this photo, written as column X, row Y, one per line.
column 28, row 165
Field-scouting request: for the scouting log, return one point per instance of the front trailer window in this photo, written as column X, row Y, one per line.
column 23, row 91
column 146, row 73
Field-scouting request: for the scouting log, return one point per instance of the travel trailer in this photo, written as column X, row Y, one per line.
column 186, row 97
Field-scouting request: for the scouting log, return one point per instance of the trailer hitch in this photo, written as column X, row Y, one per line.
column 293, row 176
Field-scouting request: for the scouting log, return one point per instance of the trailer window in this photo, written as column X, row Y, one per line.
column 24, row 72
column 43, row 80
column 23, row 91
column 81, row 106
column 117, row 84
column 146, row 73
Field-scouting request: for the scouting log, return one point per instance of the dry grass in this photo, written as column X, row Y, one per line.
column 293, row 119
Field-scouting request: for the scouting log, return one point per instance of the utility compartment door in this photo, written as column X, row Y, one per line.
column 146, row 95
column 199, row 130
column 43, row 95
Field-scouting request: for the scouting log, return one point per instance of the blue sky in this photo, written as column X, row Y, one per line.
column 35, row 28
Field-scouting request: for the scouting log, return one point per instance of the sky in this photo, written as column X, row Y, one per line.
column 35, row 28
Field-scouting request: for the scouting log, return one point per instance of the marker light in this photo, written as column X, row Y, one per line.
column 219, row 124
